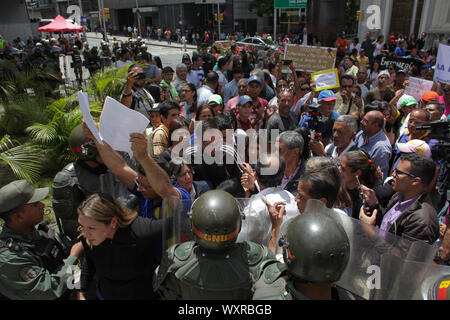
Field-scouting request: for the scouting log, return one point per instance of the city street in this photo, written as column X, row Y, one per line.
column 170, row 54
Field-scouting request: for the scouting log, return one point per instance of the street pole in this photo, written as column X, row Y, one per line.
column 104, row 22
column 218, row 18
column 84, row 29
column 99, row 13
column 274, row 24
column 138, row 16
column 413, row 18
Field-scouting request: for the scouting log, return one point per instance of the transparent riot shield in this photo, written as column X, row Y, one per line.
column 378, row 259
column 176, row 215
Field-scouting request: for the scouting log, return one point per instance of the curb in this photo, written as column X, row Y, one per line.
column 176, row 46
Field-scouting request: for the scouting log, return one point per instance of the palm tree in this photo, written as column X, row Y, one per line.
column 25, row 160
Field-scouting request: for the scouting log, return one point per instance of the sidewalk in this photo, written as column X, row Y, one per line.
column 157, row 43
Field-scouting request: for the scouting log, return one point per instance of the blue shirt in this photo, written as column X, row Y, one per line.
column 378, row 147
column 230, row 90
column 400, row 51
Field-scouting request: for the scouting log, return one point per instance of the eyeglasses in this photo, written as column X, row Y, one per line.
column 397, row 172
column 286, row 90
column 305, row 88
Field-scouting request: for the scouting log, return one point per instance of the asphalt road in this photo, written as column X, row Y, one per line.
column 170, row 54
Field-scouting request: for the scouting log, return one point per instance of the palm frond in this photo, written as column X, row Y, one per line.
column 24, row 160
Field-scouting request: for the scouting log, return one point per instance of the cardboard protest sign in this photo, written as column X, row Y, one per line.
column 310, row 58
column 326, row 79
column 442, row 70
column 417, row 87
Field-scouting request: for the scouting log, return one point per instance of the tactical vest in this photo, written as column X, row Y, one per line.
column 49, row 250
column 211, row 276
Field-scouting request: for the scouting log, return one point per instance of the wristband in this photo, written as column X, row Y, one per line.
column 126, row 94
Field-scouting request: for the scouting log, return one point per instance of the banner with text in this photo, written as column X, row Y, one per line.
column 400, row 63
column 309, row 58
column 442, row 71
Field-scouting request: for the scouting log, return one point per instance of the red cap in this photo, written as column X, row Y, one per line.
column 430, row 95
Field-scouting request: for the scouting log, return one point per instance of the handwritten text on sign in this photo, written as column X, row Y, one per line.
column 417, row 87
column 310, row 58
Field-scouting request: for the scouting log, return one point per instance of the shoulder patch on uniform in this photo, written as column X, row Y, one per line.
column 183, row 250
column 27, row 274
column 254, row 253
column 273, row 271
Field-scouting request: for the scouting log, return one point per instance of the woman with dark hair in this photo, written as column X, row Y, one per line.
column 204, row 112
column 357, row 168
column 189, row 101
column 157, row 62
column 119, row 249
column 373, row 74
column 175, row 124
column 182, row 176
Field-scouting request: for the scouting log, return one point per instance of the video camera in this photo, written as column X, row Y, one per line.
column 439, row 131
column 318, row 125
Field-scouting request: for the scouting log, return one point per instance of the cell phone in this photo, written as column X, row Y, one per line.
column 287, row 62
column 141, row 75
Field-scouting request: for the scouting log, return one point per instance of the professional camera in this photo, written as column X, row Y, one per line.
column 439, row 130
column 318, row 125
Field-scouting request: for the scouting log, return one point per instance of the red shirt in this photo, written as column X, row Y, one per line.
column 243, row 125
column 341, row 45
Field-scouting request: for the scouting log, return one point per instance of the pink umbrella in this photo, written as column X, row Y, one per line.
column 59, row 24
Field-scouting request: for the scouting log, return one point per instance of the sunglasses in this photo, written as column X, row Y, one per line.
column 397, row 172
column 305, row 88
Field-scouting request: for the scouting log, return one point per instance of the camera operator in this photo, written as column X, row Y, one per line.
column 321, row 117
column 134, row 95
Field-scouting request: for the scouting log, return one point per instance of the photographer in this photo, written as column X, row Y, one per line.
column 321, row 117
column 134, row 95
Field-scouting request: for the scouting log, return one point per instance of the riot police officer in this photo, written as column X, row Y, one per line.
column 213, row 266
column 80, row 179
column 77, row 64
column 316, row 250
column 93, row 61
column 105, row 55
column 34, row 263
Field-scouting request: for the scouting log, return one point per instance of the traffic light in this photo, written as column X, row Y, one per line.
column 358, row 15
column 215, row 16
column 107, row 16
column 221, row 17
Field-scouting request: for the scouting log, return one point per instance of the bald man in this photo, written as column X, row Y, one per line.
column 374, row 141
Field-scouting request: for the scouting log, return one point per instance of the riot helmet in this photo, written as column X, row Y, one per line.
column 315, row 246
column 216, row 220
column 83, row 147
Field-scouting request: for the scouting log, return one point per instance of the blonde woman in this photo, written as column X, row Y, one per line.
column 120, row 249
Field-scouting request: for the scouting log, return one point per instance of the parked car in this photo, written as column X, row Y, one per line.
column 257, row 42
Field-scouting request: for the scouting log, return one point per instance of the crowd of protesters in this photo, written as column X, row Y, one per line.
column 366, row 130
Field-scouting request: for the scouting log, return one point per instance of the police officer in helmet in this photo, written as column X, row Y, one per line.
column 34, row 263
column 213, row 266
column 316, row 250
column 80, row 179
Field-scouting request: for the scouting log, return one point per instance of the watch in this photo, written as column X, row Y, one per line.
column 126, row 94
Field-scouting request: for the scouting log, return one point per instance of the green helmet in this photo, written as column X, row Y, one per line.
column 316, row 247
column 216, row 220
column 83, row 147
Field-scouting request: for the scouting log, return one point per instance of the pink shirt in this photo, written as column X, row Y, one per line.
column 446, row 106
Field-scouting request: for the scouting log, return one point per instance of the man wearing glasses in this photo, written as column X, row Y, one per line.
column 346, row 101
column 410, row 212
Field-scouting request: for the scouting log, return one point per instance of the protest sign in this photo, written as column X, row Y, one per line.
column 417, row 87
column 442, row 70
column 400, row 63
column 309, row 58
column 326, row 79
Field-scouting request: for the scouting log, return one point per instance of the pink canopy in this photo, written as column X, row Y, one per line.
column 60, row 24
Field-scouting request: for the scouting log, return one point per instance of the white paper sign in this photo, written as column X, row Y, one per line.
column 442, row 69
column 86, row 112
column 117, row 122
column 417, row 87
column 326, row 79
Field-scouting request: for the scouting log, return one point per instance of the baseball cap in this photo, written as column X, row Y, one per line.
column 254, row 78
column 326, row 95
column 384, row 73
column 415, row 146
column 20, row 192
column 167, row 69
column 215, row 98
column 408, row 101
column 155, row 107
column 243, row 100
column 430, row 95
